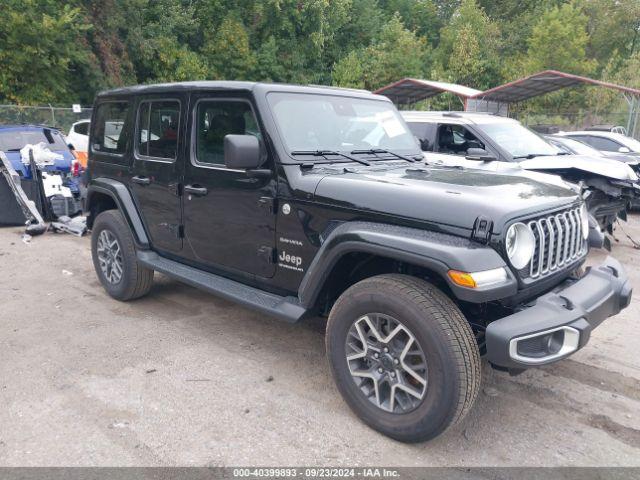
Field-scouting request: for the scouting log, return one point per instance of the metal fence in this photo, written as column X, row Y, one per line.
column 60, row 117
column 63, row 117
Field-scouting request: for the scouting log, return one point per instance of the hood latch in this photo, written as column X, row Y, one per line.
column 482, row 229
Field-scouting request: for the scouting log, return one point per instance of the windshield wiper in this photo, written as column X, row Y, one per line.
column 380, row 150
column 324, row 153
column 532, row 155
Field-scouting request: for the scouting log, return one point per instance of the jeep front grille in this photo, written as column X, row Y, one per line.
column 559, row 242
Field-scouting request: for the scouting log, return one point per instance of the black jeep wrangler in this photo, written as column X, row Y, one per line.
column 300, row 201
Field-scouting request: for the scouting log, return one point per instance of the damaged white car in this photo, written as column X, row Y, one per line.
column 475, row 140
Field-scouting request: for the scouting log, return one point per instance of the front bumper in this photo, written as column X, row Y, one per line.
column 560, row 322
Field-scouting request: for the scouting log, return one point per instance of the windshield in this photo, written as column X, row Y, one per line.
column 16, row 139
column 517, row 140
column 579, row 148
column 309, row 122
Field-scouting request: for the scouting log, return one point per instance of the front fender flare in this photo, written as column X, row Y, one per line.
column 436, row 251
column 120, row 194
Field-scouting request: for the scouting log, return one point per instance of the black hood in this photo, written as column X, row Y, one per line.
column 447, row 196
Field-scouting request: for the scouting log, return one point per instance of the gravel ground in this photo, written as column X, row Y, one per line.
column 184, row 378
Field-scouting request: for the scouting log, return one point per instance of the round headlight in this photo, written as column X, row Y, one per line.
column 584, row 221
column 520, row 245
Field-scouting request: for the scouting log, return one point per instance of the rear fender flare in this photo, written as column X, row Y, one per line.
column 120, row 194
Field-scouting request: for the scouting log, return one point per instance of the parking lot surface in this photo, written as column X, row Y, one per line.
column 184, row 378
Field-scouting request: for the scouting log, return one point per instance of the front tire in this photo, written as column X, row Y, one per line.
column 114, row 258
column 403, row 357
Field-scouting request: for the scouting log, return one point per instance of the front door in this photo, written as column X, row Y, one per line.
column 452, row 144
column 158, row 155
column 229, row 218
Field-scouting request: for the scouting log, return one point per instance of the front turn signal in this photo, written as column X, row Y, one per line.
column 463, row 279
column 485, row 278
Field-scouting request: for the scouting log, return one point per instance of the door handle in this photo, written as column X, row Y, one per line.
column 141, row 180
column 195, row 190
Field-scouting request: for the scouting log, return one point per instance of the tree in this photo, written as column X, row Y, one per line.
column 466, row 63
column 419, row 16
column 622, row 71
column 40, row 44
column 558, row 41
column 227, row 51
column 396, row 53
column 613, row 26
column 268, row 67
column 350, row 71
column 516, row 19
column 365, row 21
column 469, row 49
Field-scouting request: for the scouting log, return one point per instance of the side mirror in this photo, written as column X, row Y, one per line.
column 241, row 152
column 624, row 150
column 480, row 155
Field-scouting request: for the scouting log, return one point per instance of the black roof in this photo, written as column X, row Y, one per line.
column 236, row 86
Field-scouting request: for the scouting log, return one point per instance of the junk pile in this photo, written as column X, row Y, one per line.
column 17, row 209
column 42, row 198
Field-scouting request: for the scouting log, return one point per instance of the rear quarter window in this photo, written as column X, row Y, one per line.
column 110, row 132
column 82, row 128
column 599, row 143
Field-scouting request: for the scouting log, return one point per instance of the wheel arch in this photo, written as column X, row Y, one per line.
column 357, row 250
column 106, row 194
column 357, row 265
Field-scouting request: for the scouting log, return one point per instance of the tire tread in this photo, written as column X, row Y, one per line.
column 141, row 278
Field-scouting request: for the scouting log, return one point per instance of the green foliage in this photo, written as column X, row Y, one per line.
column 41, row 44
column 469, row 49
column 54, row 51
column 613, row 25
column 350, row 71
column 558, row 41
column 396, row 53
column 227, row 51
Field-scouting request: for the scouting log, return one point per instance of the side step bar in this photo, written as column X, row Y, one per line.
column 288, row 309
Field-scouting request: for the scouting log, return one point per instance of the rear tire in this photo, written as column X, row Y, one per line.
column 430, row 323
column 114, row 258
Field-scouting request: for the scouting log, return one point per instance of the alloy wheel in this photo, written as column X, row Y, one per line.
column 110, row 257
column 387, row 363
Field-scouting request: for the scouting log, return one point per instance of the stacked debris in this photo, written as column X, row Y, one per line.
column 45, row 198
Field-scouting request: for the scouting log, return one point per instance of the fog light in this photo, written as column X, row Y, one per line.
column 541, row 346
column 544, row 347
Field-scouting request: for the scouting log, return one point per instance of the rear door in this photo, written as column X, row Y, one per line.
column 158, row 152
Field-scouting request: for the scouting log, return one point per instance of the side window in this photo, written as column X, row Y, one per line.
column 82, row 128
column 110, row 129
column 157, row 134
column 214, row 120
column 456, row 139
column 601, row 143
